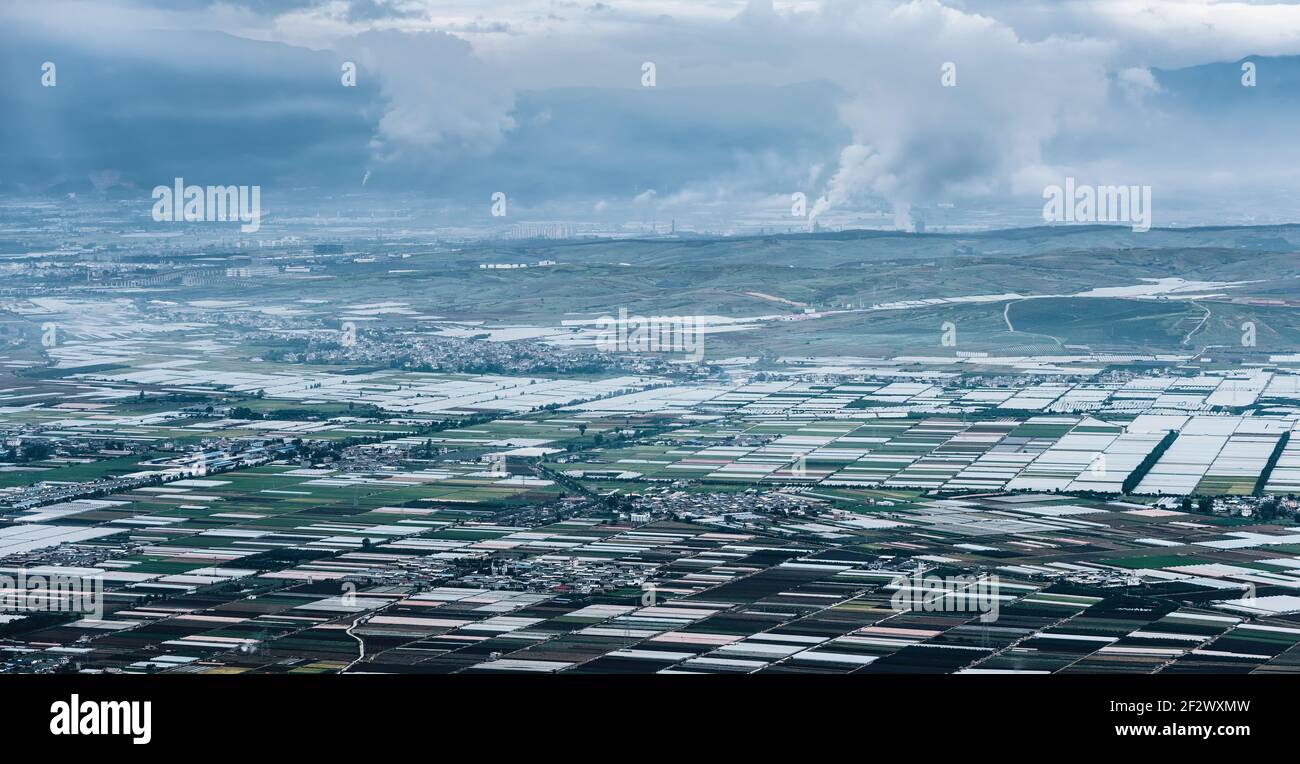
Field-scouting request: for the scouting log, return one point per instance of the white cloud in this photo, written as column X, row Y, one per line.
column 440, row 97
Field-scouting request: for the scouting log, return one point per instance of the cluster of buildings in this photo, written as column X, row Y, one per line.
column 558, row 574
column 431, row 352
column 736, row 508
column 515, row 266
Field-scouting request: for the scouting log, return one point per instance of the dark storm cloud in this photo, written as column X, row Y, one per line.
column 198, row 104
column 216, row 108
column 841, row 100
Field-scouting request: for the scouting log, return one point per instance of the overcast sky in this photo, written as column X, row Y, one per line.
column 544, row 100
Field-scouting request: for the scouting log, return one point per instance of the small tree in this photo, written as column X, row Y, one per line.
column 35, row 452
